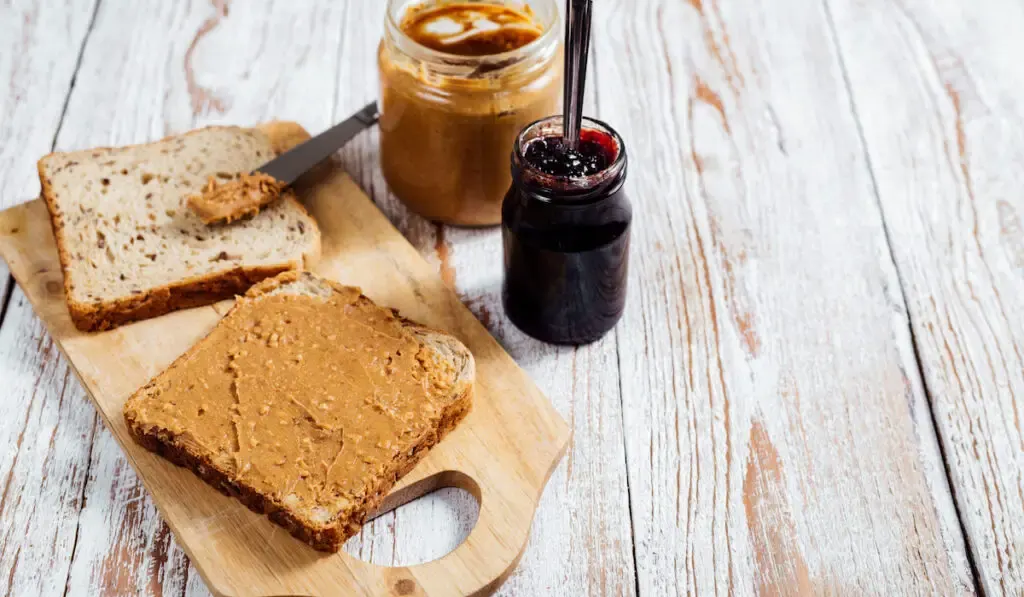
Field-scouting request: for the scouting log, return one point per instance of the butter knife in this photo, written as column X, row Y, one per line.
column 226, row 202
column 292, row 164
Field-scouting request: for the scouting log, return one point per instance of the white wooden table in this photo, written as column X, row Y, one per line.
column 818, row 383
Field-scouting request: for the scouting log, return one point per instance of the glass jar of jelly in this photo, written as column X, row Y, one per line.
column 565, row 226
column 459, row 80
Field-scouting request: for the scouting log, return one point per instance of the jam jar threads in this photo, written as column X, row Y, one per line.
column 565, row 226
column 459, row 80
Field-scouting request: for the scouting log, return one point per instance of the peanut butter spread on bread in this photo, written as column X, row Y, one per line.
column 223, row 202
column 307, row 399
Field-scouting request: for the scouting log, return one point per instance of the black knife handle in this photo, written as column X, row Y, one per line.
column 292, row 164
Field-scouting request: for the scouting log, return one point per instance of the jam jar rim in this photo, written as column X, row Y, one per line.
column 591, row 188
column 546, row 43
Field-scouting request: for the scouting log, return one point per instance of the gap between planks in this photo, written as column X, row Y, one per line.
column 92, row 434
column 6, row 290
column 936, row 87
column 928, row 392
column 718, row 292
column 7, row 286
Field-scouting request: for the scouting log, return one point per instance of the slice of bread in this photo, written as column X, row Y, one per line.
column 307, row 402
column 131, row 249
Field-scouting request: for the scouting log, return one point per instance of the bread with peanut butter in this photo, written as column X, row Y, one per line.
column 307, row 402
column 131, row 249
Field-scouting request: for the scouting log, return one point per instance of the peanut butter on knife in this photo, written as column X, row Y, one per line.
column 224, row 202
column 244, row 194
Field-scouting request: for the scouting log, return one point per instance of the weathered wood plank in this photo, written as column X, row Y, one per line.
column 132, row 89
column 778, row 437
column 151, row 69
column 938, row 91
column 358, row 84
column 45, row 426
column 125, row 548
column 46, row 429
column 39, row 51
column 581, row 539
column 38, row 56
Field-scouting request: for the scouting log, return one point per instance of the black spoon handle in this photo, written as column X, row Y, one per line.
column 577, row 50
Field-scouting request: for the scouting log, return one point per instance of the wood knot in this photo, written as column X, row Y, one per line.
column 405, row 586
column 53, row 287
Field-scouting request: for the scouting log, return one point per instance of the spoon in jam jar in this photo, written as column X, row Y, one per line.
column 566, row 219
column 577, row 50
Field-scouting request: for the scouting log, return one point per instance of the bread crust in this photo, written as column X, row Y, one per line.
column 331, row 536
column 184, row 294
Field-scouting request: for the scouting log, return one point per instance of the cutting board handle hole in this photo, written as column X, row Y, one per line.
column 420, row 523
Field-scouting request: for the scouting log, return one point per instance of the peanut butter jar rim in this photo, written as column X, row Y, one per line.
column 552, row 125
column 547, row 43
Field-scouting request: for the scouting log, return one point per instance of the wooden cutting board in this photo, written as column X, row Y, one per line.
column 503, row 452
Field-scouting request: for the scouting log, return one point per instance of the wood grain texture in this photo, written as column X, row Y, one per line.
column 46, row 430
column 187, row 56
column 503, row 452
column 151, row 69
column 126, row 548
column 136, row 61
column 136, row 87
column 777, row 433
column 423, row 529
column 581, row 540
column 45, row 427
column 39, row 49
column 940, row 108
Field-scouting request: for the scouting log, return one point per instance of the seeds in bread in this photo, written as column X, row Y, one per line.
column 131, row 249
column 307, row 402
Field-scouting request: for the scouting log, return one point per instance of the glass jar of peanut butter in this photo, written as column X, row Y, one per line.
column 459, row 80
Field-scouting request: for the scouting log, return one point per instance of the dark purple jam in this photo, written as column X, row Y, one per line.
column 565, row 226
column 552, row 155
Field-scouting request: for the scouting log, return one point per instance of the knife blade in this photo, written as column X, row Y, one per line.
column 292, row 164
